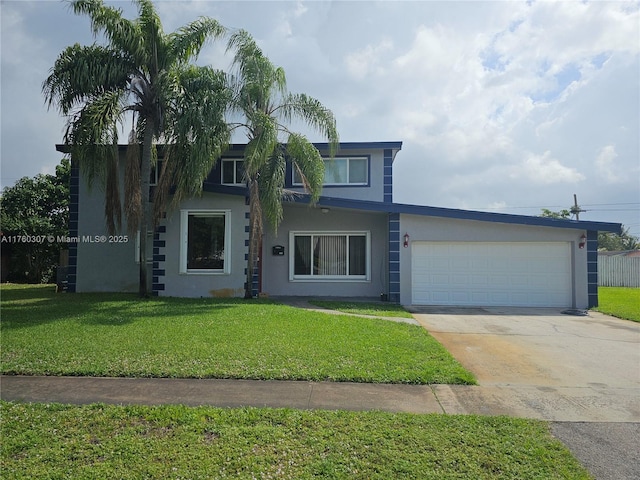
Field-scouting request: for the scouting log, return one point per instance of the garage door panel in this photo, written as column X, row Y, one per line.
column 485, row 273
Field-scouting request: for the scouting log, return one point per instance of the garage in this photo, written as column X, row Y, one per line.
column 527, row 274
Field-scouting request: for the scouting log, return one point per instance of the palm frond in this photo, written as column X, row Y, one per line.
column 308, row 163
column 163, row 189
column 195, row 130
column 314, row 114
column 152, row 37
column 91, row 133
column 259, row 79
column 263, row 140
column 186, row 42
column 80, row 74
column 123, row 35
column 271, row 182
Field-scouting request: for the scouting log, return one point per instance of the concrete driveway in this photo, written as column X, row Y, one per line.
column 580, row 372
column 540, row 363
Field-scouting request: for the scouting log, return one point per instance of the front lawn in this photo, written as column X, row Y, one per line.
column 100, row 441
column 44, row 333
column 621, row 302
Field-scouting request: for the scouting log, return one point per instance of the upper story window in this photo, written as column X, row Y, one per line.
column 232, row 171
column 342, row 171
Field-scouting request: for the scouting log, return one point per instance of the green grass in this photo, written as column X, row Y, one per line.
column 44, row 333
column 99, row 441
column 619, row 302
column 365, row 308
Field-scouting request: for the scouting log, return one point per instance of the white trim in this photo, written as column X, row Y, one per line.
column 184, row 241
column 149, row 244
column 329, row 278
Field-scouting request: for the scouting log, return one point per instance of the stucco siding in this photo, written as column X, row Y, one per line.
column 431, row 229
column 275, row 269
column 230, row 284
column 104, row 263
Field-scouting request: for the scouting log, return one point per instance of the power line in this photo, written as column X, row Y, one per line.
column 565, row 206
column 614, row 209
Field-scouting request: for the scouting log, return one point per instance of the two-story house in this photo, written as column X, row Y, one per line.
column 355, row 242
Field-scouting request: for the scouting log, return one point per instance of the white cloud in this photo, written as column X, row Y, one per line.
column 477, row 91
column 365, row 62
column 497, row 206
column 605, row 164
column 544, row 169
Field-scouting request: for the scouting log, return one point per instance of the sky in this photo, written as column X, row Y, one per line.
column 502, row 106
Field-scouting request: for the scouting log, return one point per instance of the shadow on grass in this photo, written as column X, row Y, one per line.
column 29, row 306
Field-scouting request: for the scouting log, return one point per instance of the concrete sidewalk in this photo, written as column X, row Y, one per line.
column 543, row 403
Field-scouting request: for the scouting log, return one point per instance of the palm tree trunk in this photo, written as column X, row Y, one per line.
column 145, row 173
column 255, row 235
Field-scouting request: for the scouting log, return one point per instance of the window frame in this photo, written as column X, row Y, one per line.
column 184, row 241
column 293, row 277
column 235, row 171
column 366, row 183
column 149, row 246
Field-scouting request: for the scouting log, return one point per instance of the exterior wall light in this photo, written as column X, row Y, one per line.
column 583, row 241
column 406, row 240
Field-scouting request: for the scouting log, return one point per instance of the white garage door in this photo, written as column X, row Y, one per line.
column 485, row 274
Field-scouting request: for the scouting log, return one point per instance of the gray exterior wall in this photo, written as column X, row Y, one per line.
column 104, row 264
column 303, row 218
column 178, row 284
column 433, row 229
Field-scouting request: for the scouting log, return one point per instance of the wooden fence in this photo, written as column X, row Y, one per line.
column 618, row 271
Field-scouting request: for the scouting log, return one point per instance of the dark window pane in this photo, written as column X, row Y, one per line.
column 227, row 171
column 335, row 171
column 302, row 254
column 358, row 170
column 239, row 171
column 205, row 245
column 357, row 255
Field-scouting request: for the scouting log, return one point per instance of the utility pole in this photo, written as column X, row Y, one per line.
column 575, row 210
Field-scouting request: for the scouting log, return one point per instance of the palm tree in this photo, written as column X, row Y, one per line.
column 267, row 109
column 146, row 73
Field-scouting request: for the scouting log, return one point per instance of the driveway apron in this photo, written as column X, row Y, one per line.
column 582, row 373
column 540, row 363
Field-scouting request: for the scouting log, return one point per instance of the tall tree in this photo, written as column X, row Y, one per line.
column 618, row 241
column 267, row 110
column 34, row 213
column 565, row 214
column 146, row 73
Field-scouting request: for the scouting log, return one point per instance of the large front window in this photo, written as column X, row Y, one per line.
column 342, row 171
column 329, row 256
column 205, row 241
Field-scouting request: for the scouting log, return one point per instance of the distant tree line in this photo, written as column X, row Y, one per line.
column 607, row 241
column 33, row 214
